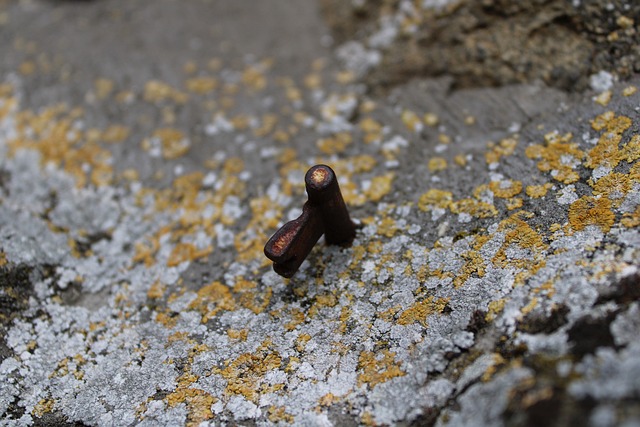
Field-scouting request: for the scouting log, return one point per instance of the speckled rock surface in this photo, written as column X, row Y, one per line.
column 147, row 152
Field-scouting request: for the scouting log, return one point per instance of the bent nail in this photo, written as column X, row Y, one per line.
column 324, row 213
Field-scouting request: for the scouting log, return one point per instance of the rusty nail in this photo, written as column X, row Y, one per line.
column 324, row 213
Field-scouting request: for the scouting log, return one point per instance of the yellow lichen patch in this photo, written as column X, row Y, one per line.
column 631, row 150
column 297, row 318
column 380, row 187
column 173, row 142
column 589, row 210
column 530, row 306
column 444, row 138
column 498, row 361
column 157, row 91
column 103, row 88
column 558, row 155
column 460, row 160
column 435, row 198
column 437, row 164
column 387, row 227
column 327, row 400
column 279, row 414
column 27, row 68
column 606, row 153
column 166, row 319
column 515, row 203
column 44, row 406
column 187, row 252
column 198, row 404
column 372, row 130
column 505, row 189
column 245, row 374
column 156, row 291
column 3, row 259
column 431, row 119
column 614, row 186
column 604, row 98
column 335, row 144
column 53, row 133
column 201, row 85
column 631, row 220
column 254, row 79
column 213, row 299
column 495, row 308
column 377, row 368
column 411, row 120
column 504, row 148
column 473, row 207
column 474, row 265
column 420, row 310
column 115, row 134
column 538, row 191
column 238, row 334
column 629, row 90
column 248, row 297
column 264, row 217
column 301, row 341
column 322, row 301
column 520, row 234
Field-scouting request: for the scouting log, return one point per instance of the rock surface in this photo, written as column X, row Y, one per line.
column 148, row 150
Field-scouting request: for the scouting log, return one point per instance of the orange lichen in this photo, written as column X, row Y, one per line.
column 335, row 144
column 377, row 368
column 198, row 404
column 238, row 334
column 506, row 147
column 380, row 187
column 279, row 414
column 297, row 318
column 103, row 88
column 302, row 341
column 519, row 233
column 183, row 252
column 245, row 373
column 538, row 191
column 614, row 186
column 603, row 98
column 589, row 210
column 156, row 291
column 254, row 79
column 631, row 150
column 157, row 91
column 435, row 198
column 505, row 189
column 558, row 155
column 473, row 207
column 44, row 406
column 411, row 120
column 372, row 130
column 431, row 119
column 201, row 85
column 437, row 164
column 420, row 310
column 387, row 227
column 631, row 220
column 212, row 299
column 495, row 307
column 514, row 203
column 173, row 143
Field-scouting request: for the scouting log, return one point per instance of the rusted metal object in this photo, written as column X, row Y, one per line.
column 324, row 213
